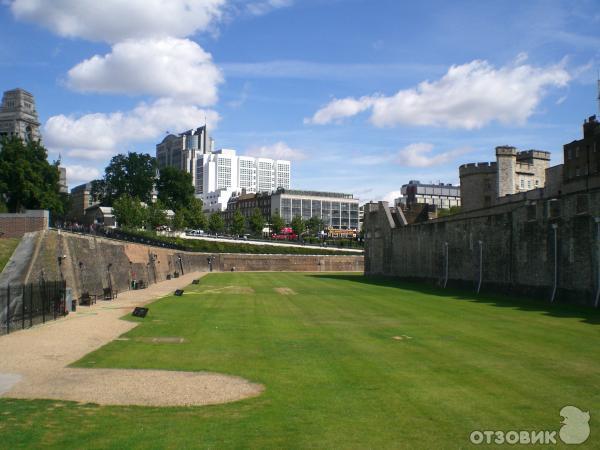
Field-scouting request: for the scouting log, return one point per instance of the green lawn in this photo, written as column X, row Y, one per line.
column 334, row 375
column 7, row 247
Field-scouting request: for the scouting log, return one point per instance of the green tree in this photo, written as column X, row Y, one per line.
column 178, row 221
column 257, row 222
column 156, row 215
column 314, row 225
column 27, row 179
column 215, row 223
column 448, row 212
column 277, row 223
column 238, row 224
column 133, row 174
column 194, row 216
column 298, row 225
column 128, row 212
column 175, row 188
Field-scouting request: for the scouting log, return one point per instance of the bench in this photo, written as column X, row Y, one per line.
column 109, row 294
column 87, row 299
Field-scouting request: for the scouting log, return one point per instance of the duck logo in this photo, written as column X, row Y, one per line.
column 576, row 428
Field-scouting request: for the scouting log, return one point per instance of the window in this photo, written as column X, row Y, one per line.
column 522, row 183
column 529, row 184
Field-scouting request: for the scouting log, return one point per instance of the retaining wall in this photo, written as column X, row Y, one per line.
column 90, row 263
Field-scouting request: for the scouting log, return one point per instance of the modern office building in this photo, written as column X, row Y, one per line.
column 441, row 195
column 337, row 210
column 18, row 116
column 219, row 174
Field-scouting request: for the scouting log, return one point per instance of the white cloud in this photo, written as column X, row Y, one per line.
column 279, row 150
column 468, row 96
column 117, row 20
column 177, row 68
column 81, row 174
column 391, row 196
column 338, row 109
column 101, row 135
column 419, row 155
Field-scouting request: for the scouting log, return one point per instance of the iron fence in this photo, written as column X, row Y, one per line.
column 25, row 305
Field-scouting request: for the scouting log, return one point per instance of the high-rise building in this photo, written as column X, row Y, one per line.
column 18, row 116
column 217, row 174
column 441, row 195
column 183, row 152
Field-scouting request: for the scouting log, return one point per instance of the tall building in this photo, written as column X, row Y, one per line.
column 582, row 157
column 482, row 184
column 218, row 174
column 184, row 150
column 81, row 199
column 441, row 195
column 18, row 116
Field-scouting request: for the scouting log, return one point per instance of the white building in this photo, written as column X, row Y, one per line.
column 219, row 174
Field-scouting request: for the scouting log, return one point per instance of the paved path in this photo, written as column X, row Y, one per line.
column 33, row 361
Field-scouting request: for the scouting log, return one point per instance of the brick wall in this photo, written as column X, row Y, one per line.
column 16, row 225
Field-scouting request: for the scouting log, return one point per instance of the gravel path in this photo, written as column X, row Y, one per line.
column 33, row 362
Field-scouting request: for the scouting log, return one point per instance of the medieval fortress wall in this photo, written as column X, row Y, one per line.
column 510, row 247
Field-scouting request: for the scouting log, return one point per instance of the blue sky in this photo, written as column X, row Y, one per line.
column 362, row 95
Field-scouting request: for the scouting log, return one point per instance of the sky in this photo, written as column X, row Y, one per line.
column 361, row 95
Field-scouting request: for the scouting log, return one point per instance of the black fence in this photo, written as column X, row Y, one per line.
column 25, row 305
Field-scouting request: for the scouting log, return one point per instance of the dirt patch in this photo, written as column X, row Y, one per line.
column 162, row 340
column 401, row 338
column 229, row 290
column 140, row 387
column 285, row 291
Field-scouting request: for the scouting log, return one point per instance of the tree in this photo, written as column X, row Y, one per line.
column 298, row 225
column 194, row 216
column 178, row 221
column 133, row 174
column 129, row 212
column 215, row 223
column 448, row 212
column 238, row 224
column 175, row 188
column 314, row 224
column 156, row 215
column 257, row 222
column 277, row 223
column 27, row 179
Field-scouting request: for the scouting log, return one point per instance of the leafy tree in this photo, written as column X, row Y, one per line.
column 128, row 212
column 257, row 222
column 175, row 188
column 314, row 225
column 238, row 224
column 27, row 179
column 178, row 221
column 277, row 223
column 194, row 216
column 448, row 212
column 156, row 215
column 298, row 225
column 215, row 223
column 132, row 174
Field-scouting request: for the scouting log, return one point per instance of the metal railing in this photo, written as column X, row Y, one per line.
column 25, row 305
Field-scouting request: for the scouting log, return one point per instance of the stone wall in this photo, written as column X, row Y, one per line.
column 89, row 263
column 17, row 224
column 516, row 253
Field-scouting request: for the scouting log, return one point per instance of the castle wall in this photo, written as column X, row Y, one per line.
column 517, row 247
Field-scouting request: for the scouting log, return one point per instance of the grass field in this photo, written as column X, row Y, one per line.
column 347, row 362
column 7, row 247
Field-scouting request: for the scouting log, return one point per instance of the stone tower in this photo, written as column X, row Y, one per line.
column 18, row 116
column 506, row 159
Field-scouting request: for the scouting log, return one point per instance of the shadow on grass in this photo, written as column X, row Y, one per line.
column 585, row 313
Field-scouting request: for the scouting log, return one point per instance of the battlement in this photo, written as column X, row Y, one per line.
column 476, row 168
column 533, row 154
column 506, row 150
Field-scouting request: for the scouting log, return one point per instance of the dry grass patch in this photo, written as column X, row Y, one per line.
column 285, row 291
